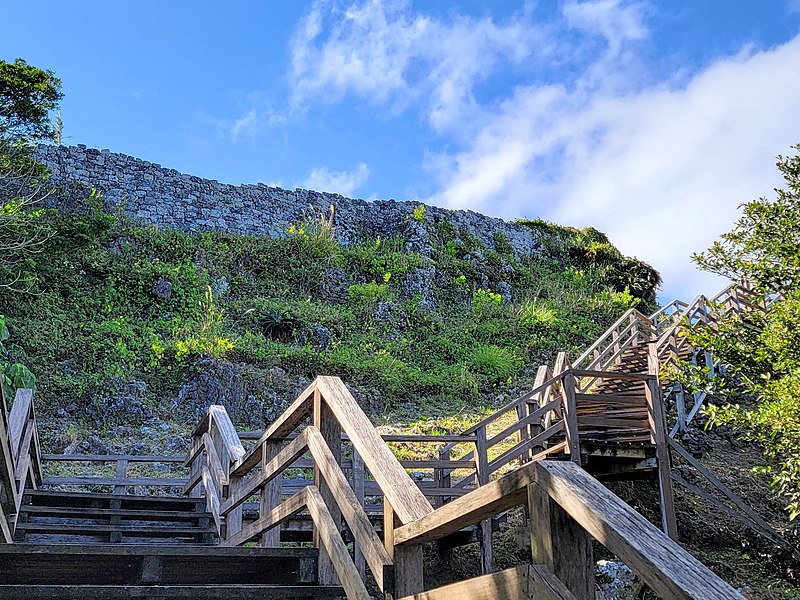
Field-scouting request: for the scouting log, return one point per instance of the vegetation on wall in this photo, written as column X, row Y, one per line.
column 397, row 322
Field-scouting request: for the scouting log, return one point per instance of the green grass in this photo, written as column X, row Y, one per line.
column 92, row 317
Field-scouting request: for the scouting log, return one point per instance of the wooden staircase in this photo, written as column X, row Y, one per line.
column 53, row 517
column 229, row 527
column 91, row 571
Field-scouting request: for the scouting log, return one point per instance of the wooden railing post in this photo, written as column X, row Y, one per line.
column 331, row 431
column 633, row 334
column 531, row 405
column 485, row 526
column 357, row 481
column 655, row 412
column 195, row 469
column 615, row 338
column 680, row 406
column 407, row 559
column 569, row 407
column 559, row 543
column 442, row 477
column 270, row 495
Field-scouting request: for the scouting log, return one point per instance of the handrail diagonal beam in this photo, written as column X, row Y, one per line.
column 294, row 450
column 406, row 498
column 361, row 527
column 280, row 428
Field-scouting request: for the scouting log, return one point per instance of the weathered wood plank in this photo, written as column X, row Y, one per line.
column 408, row 501
column 19, row 415
column 357, row 479
column 662, row 564
column 481, row 503
column 212, row 498
column 408, row 563
column 599, row 421
column 270, row 471
column 270, row 493
column 331, row 539
column 173, row 592
column 113, row 458
column 360, row 526
column 611, row 375
column 520, row 449
column 5, row 528
column 655, row 406
column 485, row 526
column 324, row 421
column 214, row 462
column 532, row 418
column 510, row 584
column 543, row 585
column 223, row 425
column 283, row 512
column 559, row 543
column 111, row 481
column 570, row 410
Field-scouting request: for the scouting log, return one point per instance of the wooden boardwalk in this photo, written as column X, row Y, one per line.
column 322, row 475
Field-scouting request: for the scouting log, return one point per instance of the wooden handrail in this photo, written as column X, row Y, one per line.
column 329, row 499
column 659, row 561
column 20, row 458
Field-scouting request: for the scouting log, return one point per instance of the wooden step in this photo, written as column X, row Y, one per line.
column 56, row 531
column 135, row 565
column 81, row 499
column 171, row 592
column 124, row 513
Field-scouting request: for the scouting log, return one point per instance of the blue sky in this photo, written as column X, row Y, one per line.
column 649, row 120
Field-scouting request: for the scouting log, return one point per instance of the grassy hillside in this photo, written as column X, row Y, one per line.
column 174, row 320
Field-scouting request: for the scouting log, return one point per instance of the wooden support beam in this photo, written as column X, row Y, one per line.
column 331, row 540
column 655, row 410
column 484, row 502
column 357, row 481
column 280, row 428
column 510, row 584
column 485, row 526
column 329, row 429
column 270, row 471
column 221, row 423
column 760, row 523
column 281, row 513
column 560, row 544
column 408, row 564
column 662, row 564
column 346, row 501
column 407, row 500
column 270, row 493
column 570, row 411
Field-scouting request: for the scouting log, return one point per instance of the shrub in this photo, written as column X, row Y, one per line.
column 485, row 302
column 494, row 363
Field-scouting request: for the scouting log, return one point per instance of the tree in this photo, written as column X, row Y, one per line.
column 763, row 349
column 28, row 95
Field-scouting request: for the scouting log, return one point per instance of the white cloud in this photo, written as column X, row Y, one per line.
column 385, row 52
column 246, row 125
column 588, row 136
column 345, row 183
column 662, row 170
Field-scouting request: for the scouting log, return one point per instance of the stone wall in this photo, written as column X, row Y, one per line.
column 167, row 198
